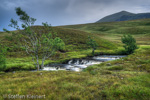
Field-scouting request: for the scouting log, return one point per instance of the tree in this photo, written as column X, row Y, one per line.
column 92, row 43
column 40, row 44
column 2, row 58
column 130, row 43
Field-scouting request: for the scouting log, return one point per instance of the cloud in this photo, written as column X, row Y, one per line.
column 65, row 12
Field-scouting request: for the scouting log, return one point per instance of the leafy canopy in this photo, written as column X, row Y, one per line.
column 92, row 43
column 129, row 43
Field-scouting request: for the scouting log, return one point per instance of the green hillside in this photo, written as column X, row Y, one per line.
column 112, row 31
column 75, row 38
column 127, row 78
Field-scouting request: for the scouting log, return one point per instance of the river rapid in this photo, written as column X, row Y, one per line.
column 80, row 64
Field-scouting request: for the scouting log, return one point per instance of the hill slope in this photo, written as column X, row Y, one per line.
column 124, row 16
column 75, row 38
column 113, row 31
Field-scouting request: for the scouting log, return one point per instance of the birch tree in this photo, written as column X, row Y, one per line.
column 92, row 43
column 40, row 46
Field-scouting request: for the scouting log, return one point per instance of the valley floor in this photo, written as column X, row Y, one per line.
column 124, row 79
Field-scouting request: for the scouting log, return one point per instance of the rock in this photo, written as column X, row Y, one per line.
column 57, row 67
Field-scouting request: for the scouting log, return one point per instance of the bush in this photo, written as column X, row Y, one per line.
column 2, row 58
column 130, row 43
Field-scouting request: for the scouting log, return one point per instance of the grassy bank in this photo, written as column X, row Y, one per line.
column 26, row 63
column 125, row 79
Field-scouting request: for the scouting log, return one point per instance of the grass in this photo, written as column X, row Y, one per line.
column 114, row 30
column 123, row 79
column 126, row 82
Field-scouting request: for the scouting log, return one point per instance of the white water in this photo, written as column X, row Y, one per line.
column 80, row 64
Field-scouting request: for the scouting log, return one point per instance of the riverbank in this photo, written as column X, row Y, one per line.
column 26, row 63
column 126, row 79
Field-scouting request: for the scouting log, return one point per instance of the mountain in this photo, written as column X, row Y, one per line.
column 124, row 16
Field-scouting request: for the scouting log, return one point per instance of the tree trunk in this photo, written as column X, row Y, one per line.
column 37, row 65
column 42, row 63
column 93, row 52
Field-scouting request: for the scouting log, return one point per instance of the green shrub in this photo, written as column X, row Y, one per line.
column 130, row 43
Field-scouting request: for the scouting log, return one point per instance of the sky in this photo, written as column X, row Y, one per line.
column 68, row 12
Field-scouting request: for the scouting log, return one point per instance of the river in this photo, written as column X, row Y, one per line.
column 80, row 64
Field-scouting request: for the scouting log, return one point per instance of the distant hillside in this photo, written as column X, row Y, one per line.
column 124, row 16
column 113, row 31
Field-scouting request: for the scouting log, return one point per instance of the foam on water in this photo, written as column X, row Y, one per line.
column 80, row 64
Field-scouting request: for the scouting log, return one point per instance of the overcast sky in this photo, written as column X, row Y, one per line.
column 66, row 12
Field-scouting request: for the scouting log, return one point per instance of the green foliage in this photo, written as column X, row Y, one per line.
column 27, row 20
column 37, row 45
column 130, row 43
column 92, row 43
column 2, row 58
column 49, row 43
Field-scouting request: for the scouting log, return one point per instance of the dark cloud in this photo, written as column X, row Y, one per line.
column 63, row 12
